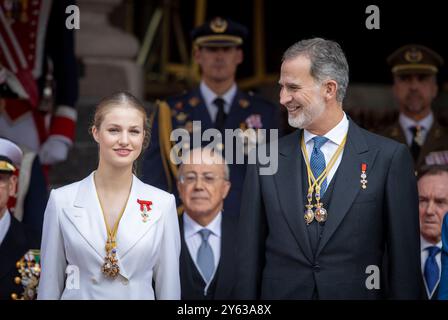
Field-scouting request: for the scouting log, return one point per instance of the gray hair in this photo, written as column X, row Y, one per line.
column 186, row 155
column 328, row 61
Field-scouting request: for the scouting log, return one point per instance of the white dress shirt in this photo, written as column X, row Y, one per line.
column 335, row 137
column 406, row 123
column 193, row 239
column 5, row 222
column 424, row 255
column 209, row 96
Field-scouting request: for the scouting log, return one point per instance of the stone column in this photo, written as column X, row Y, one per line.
column 108, row 53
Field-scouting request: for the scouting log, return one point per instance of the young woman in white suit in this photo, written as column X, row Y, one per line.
column 110, row 236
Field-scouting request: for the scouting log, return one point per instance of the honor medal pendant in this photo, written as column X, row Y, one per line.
column 110, row 267
column 309, row 214
column 145, row 215
column 320, row 213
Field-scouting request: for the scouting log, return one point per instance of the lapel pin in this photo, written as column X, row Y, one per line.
column 145, row 207
column 363, row 175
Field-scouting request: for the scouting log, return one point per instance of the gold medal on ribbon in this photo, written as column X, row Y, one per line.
column 110, row 267
column 314, row 185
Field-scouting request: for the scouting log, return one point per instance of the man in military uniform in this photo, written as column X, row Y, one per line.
column 414, row 69
column 216, row 103
column 15, row 238
column 38, row 77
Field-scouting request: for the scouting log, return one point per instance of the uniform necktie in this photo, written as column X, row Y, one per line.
column 416, row 144
column 205, row 259
column 431, row 268
column 221, row 115
column 317, row 160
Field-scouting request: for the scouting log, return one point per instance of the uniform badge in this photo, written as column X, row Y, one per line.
column 413, row 55
column 363, row 175
column 254, row 121
column 437, row 158
column 145, row 207
column 244, row 103
column 194, row 101
column 181, row 117
column 29, row 269
column 218, row 25
column 179, row 105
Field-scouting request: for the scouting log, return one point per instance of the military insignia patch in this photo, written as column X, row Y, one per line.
column 218, row 25
column 244, row 103
column 179, row 105
column 181, row 117
column 437, row 158
column 413, row 55
column 254, row 121
column 194, row 101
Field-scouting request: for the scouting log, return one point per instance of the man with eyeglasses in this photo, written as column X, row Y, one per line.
column 217, row 103
column 207, row 259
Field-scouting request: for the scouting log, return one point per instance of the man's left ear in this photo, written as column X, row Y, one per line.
column 12, row 186
column 435, row 91
column 331, row 88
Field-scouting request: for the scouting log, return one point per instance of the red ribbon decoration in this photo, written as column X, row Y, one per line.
column 364, row 167
column 144, row 203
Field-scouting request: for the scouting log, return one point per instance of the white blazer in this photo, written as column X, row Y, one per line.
column 74, row 238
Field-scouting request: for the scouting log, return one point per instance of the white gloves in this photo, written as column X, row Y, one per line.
column 54, row 150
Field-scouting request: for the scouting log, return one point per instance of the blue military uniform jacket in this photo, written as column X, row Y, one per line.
column 246, row 110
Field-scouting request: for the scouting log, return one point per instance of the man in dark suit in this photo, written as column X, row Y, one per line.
column 15, row 238
column 433, row 205
column 319, row 227
column 414, row 69
column 207, row 259
column 217, row 103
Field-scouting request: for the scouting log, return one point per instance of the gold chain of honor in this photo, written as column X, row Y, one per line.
column 314, row 185
column 110, row 267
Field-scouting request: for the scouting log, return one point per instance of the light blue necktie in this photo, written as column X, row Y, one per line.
column 432, row 268
column 317, row 161
column 205, row 259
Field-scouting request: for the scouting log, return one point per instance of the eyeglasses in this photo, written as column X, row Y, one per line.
column 191, row 178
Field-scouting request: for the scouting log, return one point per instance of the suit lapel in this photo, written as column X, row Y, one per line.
column 200, row 111
column 396, row 133
column 224, row 274
column 132, row 228
column 431, row 140
column 347, row 184
column 288, row 181
column 87, row 217
column 237, row 112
